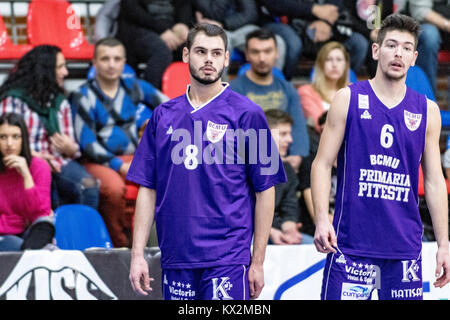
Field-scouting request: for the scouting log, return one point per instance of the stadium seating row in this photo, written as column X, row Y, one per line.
column 49, row 22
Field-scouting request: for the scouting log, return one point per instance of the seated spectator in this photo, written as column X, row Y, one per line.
column 331, row 71
column 153, row 32
column 25, row 207
column 304, row 186
column 366, row 16
column 106, row 20
column 35, row 90
column 330, row 22
column 109, row 112
column 272, row 10
column 442, row 7
column 285, row 226
column 270, row 92
column 238, row 18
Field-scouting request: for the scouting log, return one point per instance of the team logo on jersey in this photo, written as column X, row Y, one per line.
column 215, row 131
column 363, row 101
column 412, row 120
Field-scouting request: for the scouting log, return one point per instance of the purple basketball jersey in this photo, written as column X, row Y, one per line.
column 376, row 212
column 205, row 185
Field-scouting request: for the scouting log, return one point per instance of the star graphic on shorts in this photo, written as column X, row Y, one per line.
column 188, row 285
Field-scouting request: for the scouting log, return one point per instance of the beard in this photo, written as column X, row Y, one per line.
column 207, row 80
column 262, row 73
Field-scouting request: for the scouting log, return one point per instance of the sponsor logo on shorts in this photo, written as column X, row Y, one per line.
column 221, row 288
column 353, row 291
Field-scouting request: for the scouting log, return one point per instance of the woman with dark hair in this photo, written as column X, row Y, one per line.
column 26, row 219
column 35, row 90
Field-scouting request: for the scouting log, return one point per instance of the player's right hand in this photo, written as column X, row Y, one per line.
column 139, row 276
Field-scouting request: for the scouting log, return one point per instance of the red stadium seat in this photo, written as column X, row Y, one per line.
column 175, row 79
column 130, row 198
column 55, row 22
column 421, row 189
column 9, row 50
column 444, row 56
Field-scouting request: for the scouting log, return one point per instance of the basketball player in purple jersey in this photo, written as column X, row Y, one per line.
column 380, row 131
column 207, row 201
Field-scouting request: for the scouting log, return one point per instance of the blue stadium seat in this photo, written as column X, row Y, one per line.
column 79, row 227
column 417, row 79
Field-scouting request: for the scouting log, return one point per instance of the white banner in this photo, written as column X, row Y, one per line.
column 295, row 273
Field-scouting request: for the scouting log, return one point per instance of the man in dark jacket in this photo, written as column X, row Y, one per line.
column 285, row 226
column 238, row 18
column 153, row 32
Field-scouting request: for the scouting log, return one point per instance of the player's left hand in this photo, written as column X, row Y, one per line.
column 442, row 267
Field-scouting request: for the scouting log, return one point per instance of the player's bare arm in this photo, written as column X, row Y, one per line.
column 264, row 209
column 143, row 220
column 330, row 143
column 436, row 193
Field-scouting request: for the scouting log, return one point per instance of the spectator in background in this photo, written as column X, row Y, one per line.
column 238, row 18
column 35, row 90
column 429, row 37
column 286, row 225
column 331, row 73
column 272, row 10
column 270, row 92
column 153, row 32
column 25, row 206
column 430, row 20
column 330, row 22
column 443, row 8
column 106, row 24
column 365, row 19
column 304, row 185
column 109, row 111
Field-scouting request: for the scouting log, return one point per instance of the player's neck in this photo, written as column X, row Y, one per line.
column 108, row 87
column 259, row 79
column 199, row 93
column 390, row 91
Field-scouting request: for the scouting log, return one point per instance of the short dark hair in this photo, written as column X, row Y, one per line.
column 261, row 34
column 15, row 119
column 275, row 117
column 109, row 42
column 399, row 22
column 211, row 30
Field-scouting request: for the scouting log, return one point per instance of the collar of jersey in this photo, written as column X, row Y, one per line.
column 195, row 109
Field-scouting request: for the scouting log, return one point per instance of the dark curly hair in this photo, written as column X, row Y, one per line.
column 35, row 72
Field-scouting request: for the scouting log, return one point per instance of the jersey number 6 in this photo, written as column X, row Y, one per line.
column 386, row 137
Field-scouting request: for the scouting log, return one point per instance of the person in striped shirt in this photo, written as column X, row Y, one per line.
column 35, row 90
column 108, row 111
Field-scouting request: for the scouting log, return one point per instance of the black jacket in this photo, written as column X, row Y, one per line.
column 232, row 14
column 286, row 201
